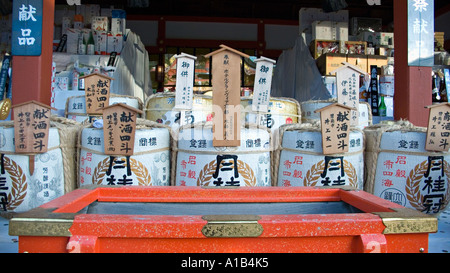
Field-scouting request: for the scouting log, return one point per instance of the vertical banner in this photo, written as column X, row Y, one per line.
column 4, row 75
column 263, row 82
column 420, row 32
column 27, row 28
column 373, row 87
column 447, row 82
column 185, row 81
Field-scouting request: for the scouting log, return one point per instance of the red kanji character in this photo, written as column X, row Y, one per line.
column 298, row 160
column 286, row 183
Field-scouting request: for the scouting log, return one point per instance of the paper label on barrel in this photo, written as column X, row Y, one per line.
column 77, row 105
column 206, row 165
column 149, row 167
column 420, row 182
column 280, row 112
column 299, row 167
column 19, row 191
column 222, row 170
column 160, row 110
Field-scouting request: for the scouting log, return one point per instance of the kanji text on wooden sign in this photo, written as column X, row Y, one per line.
column 31, row 127
column 119, row 129
column 347, row 82
column 335, row 127
column 97, row 92
column 438, row 131
column 226, row 83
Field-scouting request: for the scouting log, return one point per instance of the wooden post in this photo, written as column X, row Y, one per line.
column 32, row 75
column 412, row 83
column 226, row 82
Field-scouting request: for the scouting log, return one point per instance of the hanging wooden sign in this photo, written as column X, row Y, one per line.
column 97, row 92
column 31, row 127
column 335, row 127
column 438, row 131
column 262, row 85
column 347, row 88
column 185, row 81
column 119, row 129
column 226, row 84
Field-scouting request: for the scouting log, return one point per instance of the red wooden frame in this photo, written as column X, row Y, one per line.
column 348, row 232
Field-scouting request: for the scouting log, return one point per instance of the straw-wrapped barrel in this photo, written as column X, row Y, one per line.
column 399, row 169
column 299, row 159
column 54, row 172
column 199, row 163
column 148, row 166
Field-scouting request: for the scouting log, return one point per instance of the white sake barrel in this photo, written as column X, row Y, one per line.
column 198, row 163
column 281, row 111
column 400, row 170
column 76, row 106
column 300, row 160
column 54, row 171
column 160, row 108
column 148, row 166
column 308, row 108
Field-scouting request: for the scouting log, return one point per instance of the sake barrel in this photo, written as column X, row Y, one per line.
column 300, row 160
column 160, row 108
column 76, row 106
column 199, row 163
column 281, row 111
column 148, row 166
column 54, row 172
column 399, row 169
column 308, row 108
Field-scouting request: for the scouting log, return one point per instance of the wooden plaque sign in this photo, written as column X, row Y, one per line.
column 31, row 127
column 335, row 126
column 347, row 87
column 226, row 83
column 438, row 131
column 97, row 92
column 119, row 129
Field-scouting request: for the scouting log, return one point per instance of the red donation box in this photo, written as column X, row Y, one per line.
column 194, row 219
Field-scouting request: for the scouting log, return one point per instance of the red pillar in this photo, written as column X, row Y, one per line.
column 412, row 83
column 31, row 75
